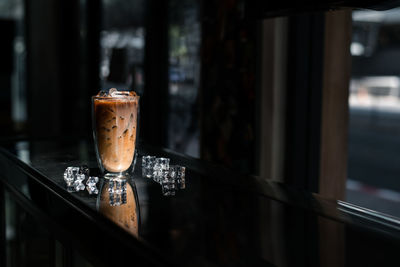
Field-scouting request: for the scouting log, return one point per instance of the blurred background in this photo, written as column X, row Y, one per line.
column 218, row 82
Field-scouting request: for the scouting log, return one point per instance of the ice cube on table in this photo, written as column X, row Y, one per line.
column 168, row 183
column 161, row 168
column 70, row 175
column 84, row 169
column 177, row 173
column 91, row 185
column 78, row 185
column 74, row 176
column 148, row 165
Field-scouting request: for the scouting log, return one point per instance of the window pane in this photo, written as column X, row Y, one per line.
column 122, row 45
column 184, row 35
column 374, row 101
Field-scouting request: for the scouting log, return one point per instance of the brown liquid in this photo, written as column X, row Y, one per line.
column 124, row 215
column 116, row 122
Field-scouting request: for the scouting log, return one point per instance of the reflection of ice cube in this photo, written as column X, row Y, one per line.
column 167, row 189
column 117, row 192
column 148, row 165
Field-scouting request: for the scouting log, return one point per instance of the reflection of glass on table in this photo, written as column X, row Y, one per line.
column 118, row 202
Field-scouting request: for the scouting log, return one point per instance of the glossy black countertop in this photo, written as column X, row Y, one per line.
column 221, row 218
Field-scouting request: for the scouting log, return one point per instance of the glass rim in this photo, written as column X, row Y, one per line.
column 136, row 97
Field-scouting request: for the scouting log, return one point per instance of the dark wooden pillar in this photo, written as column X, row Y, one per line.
column 154, row 101
column 303, row 106
column 335, row 107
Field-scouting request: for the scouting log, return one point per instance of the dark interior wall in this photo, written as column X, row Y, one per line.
column 154, row 101
column 228, row 85
column 57, row 96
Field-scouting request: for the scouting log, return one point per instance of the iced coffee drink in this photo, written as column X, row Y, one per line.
column 115, row 129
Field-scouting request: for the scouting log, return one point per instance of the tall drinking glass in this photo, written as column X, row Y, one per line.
column 115, row 131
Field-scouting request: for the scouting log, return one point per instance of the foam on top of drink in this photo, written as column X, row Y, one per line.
column 113, row 92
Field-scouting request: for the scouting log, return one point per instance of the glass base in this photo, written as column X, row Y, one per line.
column 116, row 176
